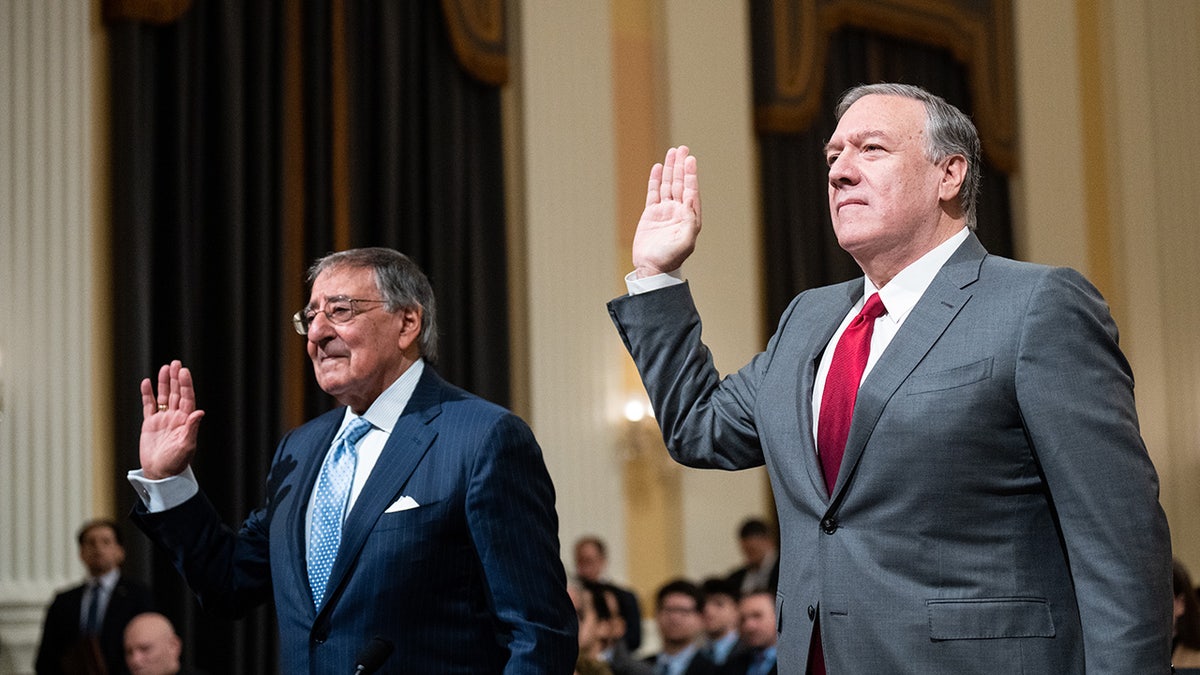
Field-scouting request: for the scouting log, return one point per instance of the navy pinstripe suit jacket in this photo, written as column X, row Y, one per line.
column 468, row 582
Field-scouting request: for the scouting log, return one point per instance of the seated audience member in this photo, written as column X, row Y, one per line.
column 613, row 650
column 589, row 662
column 1185, row 644
column 152, row 647
column 757, row 612
column 720, row 616
column 85, row 625
column 761, row 569
column 591, row 563
column 677, row 612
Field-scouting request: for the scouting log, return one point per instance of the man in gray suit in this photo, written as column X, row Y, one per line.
column 989, row 505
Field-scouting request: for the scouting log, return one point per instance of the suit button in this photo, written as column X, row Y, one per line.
column 829, row 525
column 812, row 613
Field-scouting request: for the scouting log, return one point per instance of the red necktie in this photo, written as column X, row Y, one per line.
column 841, row 388
column 837, row 409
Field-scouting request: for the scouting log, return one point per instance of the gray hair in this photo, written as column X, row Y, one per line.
column 948, row 130
column 400, row 281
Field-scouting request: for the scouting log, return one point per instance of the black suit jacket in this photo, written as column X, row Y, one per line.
column 631, row 611
column 736, row 577
column 739, row 662
column 61, row 636
column 700, row 664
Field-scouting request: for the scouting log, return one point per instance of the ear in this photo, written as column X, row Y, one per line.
column 953, row 174
column 410, row 327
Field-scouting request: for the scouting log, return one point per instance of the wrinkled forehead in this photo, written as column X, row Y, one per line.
column 878, row 113
column 343, row 280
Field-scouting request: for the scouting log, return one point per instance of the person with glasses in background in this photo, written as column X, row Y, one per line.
column 415, row 511
column 680, row 627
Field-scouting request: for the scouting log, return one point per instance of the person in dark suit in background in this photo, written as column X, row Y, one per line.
column 951, row 438
column 612, row 631
column 416, row 512
column 680, row 626
column 85, row 624
column 1185, row 636
column 591, row 565
column 757, row 628
column 761, row 554
column 721, row 619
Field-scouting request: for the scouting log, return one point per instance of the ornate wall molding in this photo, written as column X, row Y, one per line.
column 479, row 36
column 150, row 11
column 476, row 28
column 978, row 33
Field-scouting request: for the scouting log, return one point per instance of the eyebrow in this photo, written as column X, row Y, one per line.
column 856, row 138
column 328, row 298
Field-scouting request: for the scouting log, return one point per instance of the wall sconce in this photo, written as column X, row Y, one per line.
column 638, row 409
column 640, row 438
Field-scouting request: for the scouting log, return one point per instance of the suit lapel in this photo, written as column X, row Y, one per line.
column 941, row 302
column 830, row 312
column 320, row 437
column 410, row 440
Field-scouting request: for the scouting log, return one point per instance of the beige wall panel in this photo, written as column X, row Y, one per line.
column 1048, row 206
column 563, row 73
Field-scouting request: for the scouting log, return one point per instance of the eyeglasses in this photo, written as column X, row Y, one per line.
column 339, row 310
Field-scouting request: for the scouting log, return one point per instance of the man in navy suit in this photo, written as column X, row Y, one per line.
column 960, row 483
column 447, row 540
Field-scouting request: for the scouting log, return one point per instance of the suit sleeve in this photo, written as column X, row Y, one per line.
column 511, row 516
column 1075, row 392
column 228, row 570
column 706, row 422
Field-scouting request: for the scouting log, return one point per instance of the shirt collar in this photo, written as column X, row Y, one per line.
column 108, row 580
column 901, row 294
column 386, row 409
column 684, row 655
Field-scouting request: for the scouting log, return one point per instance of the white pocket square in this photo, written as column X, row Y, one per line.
column 403, row 504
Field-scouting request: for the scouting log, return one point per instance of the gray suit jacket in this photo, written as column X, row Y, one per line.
column 996, row 509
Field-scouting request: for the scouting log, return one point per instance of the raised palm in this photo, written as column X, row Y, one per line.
column 170, row 423
column 667, row 231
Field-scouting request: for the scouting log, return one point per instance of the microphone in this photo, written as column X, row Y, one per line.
column 372, row 655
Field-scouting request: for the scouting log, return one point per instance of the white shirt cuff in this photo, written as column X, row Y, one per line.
column 164, row 493
column 653, row 283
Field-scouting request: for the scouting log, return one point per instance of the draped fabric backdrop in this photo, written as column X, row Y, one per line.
column 800, row 249
column 250, row 138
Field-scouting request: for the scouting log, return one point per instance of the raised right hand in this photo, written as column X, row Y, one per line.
column 666, row 234
column 170, row 423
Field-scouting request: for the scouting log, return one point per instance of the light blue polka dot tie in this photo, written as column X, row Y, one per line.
column 333, row 491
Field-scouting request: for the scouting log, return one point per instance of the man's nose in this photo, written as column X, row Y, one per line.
column 319, row 327
column 843, row 170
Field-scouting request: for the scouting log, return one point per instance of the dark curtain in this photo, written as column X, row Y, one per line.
column 210, row 122
column 426, row 164
column 800, row 249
